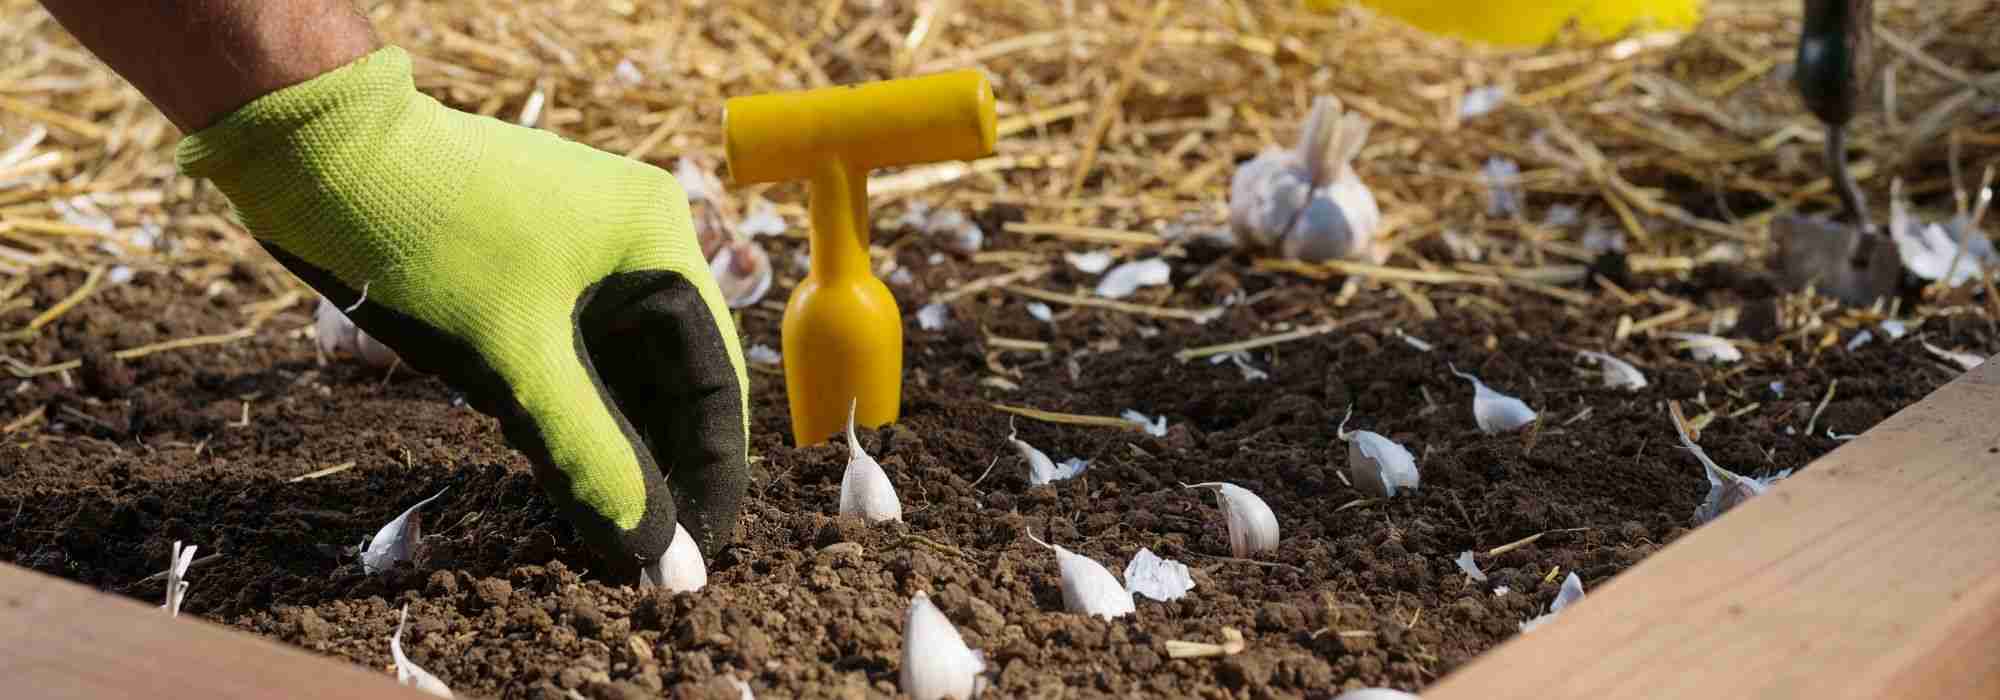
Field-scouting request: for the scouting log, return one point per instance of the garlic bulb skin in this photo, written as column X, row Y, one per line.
column 864, row 488
column 936, row 662
column 743, row 271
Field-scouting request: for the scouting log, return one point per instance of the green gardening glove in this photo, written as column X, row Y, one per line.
column 559, row 287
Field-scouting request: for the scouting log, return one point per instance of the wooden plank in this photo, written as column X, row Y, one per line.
column 60, row 640
column 1873, row 574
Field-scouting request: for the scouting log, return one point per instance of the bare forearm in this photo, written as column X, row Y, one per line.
column 199, row 60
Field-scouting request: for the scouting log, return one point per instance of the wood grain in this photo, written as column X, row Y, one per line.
column 60, row 640
column 1875, row 573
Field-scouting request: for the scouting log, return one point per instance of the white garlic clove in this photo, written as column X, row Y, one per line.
column 1041, row 312
column 1493, row 411
column 933, row 316
column 408, row 672
column 1376, row 465
column 864, row 488
column 1087, row 586
column 1376, row 694
column 1041, row 469
column 762, row 219
column 1707, row 348
column 743, row 271
column 1156, row 427
column 1894, row 328
column 763, row 355
column 1163, row 580
column 1572, row 591
column 1253, row 527
column 936, row 662
column 1726, row 489
column 1863, row 338
column 373, row 353
column 178, row 561
column 1266, row 194
column 1466, row 564
column 1125, row 279
column 398, row 539
column 1618, row 374
column 679, row 570
column 1089, row 263
column 331, row 329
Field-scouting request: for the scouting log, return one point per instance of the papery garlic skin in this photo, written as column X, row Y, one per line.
column 864, row 488
column 1253, row 527
column 742, row 272
column 680, row 569
column 1163, row 580
column 936, row 662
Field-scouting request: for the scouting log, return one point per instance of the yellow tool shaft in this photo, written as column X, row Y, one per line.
column 843, row 335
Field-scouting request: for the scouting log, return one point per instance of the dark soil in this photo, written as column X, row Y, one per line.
column 133, row 456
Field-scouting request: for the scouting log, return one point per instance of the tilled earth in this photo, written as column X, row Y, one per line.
column 203, row 445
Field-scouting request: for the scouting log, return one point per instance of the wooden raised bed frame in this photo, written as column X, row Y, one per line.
column 1873, row 574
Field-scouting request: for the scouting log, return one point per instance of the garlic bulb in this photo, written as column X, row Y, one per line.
column 936, row 662
column 398, row 539
column 408, row 672
column 1493, row 411
column 743, row 270
column 680, row 569
column 1252, row 526
column 1377, row 465
column 1307, row 202
column 865, row 489
column 1087, row 586
column 1618, row 374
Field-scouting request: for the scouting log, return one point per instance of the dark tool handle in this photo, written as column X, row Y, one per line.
column 1836, row 59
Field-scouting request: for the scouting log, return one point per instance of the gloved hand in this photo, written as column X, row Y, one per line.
column 561, row 288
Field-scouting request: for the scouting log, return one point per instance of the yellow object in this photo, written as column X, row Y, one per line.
column 843, row 337
column 1531, row 22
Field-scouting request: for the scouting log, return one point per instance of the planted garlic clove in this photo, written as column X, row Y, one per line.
column 1089, row 263
column 1377, row 465
column 336, row 335
column 1707, row 348
column 680, row 569
column 398, row 540
column 1965, row 360
column 1156, row 427
column 1087, row 586
column 178, row 562
column 936, row 662
column 373, row 353
column 408, row 672
column 1163, row 580
column 743, row 271
column 1726, row 489
column 1618, row 374
column 1493, row 411
column 1253, row 527
column 1041, row 469
column 1125, row 279
column 1375, row 694
column 1572, row 591
column 865, row 489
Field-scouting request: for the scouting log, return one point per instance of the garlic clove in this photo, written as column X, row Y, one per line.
column 1041, row 469
column 1377, row 465
column 1253, row 527
column 1726, row 489
column 936, row 662
column 178, row 561
column 408, row 672
column 331, row 329
column 1087, row 586
column 1618, row 374
column 1089, row 263
column 1156, row 427
column 398, row 539
column 1572, row 591
column 1965, row 360
column 1122, row 281
column 864, row 488
column 933, row 316
column 1163, row 580
column 743, row 271
column 1266, row 194
column 1707, row 348
column 1376, row 694
column 373, row 353
column 1493, row 411
column 680, row 569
